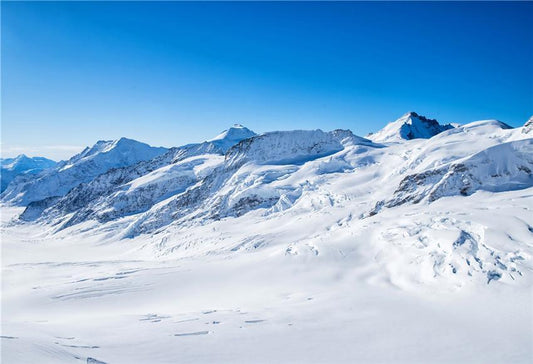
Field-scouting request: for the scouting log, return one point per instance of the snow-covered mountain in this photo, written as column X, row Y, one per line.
column 291, row 172
column 192, row 176
column 136, row 188
column 22, row 164
column 239, row 171
column 266, row 239
column 409, row 126
column 81, row 168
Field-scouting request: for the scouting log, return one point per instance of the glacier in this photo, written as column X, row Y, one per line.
column 413, row 244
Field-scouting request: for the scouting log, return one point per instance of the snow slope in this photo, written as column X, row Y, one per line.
column 504, row 167
column 300, row 246
column 12, row 167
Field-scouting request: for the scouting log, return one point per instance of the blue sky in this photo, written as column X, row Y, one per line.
column 176, row 72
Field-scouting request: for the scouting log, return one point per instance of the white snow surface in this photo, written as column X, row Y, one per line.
column 303, row 246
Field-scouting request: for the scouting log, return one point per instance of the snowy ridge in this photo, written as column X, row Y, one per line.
column 289, row 147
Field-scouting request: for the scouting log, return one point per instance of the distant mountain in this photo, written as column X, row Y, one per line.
column 81, row 168
column 22, row 164
column 218, row 145
column 409, row 126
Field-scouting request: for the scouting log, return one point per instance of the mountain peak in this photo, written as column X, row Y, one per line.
column 23, row 162
column 21, row 158
column 126, row 142
column 410, row 126
column 411, row 117
column 237, row 132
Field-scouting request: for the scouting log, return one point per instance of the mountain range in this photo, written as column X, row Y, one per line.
column 144, row 190
column 20, row 165
column 304, row 245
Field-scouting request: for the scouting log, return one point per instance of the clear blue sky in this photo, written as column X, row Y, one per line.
column 172, row 73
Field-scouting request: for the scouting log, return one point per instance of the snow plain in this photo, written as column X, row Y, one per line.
column 314, row 278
